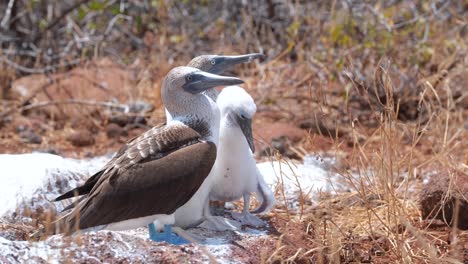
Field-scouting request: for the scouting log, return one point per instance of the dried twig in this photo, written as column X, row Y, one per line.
column 52, row 24
column 122, row 107
column 46, row 69
column 380, row 17
column 6, row 18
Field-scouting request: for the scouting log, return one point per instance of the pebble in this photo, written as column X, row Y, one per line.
column 81, row 138
column 30, row 137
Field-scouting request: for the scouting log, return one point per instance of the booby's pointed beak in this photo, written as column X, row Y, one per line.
column 245, row 125
column 200, row 81
column 222, row 63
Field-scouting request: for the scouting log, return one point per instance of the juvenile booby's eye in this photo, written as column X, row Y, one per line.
column 243, row 116
column 213, row 62
column 189, row 78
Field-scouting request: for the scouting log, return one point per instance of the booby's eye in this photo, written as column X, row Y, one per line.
column 213, row 62
column 188, row 78
column 243, row 116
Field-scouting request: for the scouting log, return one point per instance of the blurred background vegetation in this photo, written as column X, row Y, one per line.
column 326, row 61
column 46, row 35
column 335, row 40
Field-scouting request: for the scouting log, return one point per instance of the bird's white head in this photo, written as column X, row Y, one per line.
column 234, row 99
column 238, row 109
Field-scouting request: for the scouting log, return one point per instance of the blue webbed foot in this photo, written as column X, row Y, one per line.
column 166, row 236
column 155, row 235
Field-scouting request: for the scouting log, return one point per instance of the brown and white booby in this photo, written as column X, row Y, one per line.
column 235, row 172
column 158, row 171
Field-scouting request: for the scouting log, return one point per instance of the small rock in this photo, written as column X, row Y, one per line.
column 123, row 120
column 120, row 120
column 81, row 138
column 84, row 124
column 277, row 129
column 141, row 107
column 31, row 137
column 280, row 136
column 22, row 128
column 323, row 126
column 433, row 198
column 282, row 145
column 113, row 130
column 48, row 150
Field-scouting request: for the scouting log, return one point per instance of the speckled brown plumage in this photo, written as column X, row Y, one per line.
column 154, row 173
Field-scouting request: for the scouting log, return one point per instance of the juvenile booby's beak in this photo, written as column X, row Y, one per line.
column 222, row 63
column 200, row 81
column 245, row 125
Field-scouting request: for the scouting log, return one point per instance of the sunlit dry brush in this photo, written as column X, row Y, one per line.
column 380, row 220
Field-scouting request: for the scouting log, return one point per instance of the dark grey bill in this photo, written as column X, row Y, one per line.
column 200, row 81
column 245, row 125
column 222, row 63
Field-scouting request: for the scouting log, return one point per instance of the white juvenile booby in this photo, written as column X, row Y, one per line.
column 158, row 171
column 235, row 173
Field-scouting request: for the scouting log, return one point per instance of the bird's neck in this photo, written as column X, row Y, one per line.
column 199, row 113
column 212, row 93
column 230, row 134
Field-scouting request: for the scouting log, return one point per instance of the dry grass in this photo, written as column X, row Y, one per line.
column 379, row 221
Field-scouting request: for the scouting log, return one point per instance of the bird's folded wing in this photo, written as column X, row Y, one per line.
column 91, row 181
column 156, row 173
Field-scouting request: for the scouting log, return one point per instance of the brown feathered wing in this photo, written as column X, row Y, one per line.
column 155, row 173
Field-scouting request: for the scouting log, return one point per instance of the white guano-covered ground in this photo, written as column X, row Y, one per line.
column 30, row 181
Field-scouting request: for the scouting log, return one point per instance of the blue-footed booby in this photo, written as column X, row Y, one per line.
column 235, row 171
column 159, row 171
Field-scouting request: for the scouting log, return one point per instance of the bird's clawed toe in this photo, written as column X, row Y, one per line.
column 248, row 219
column 219, row 223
